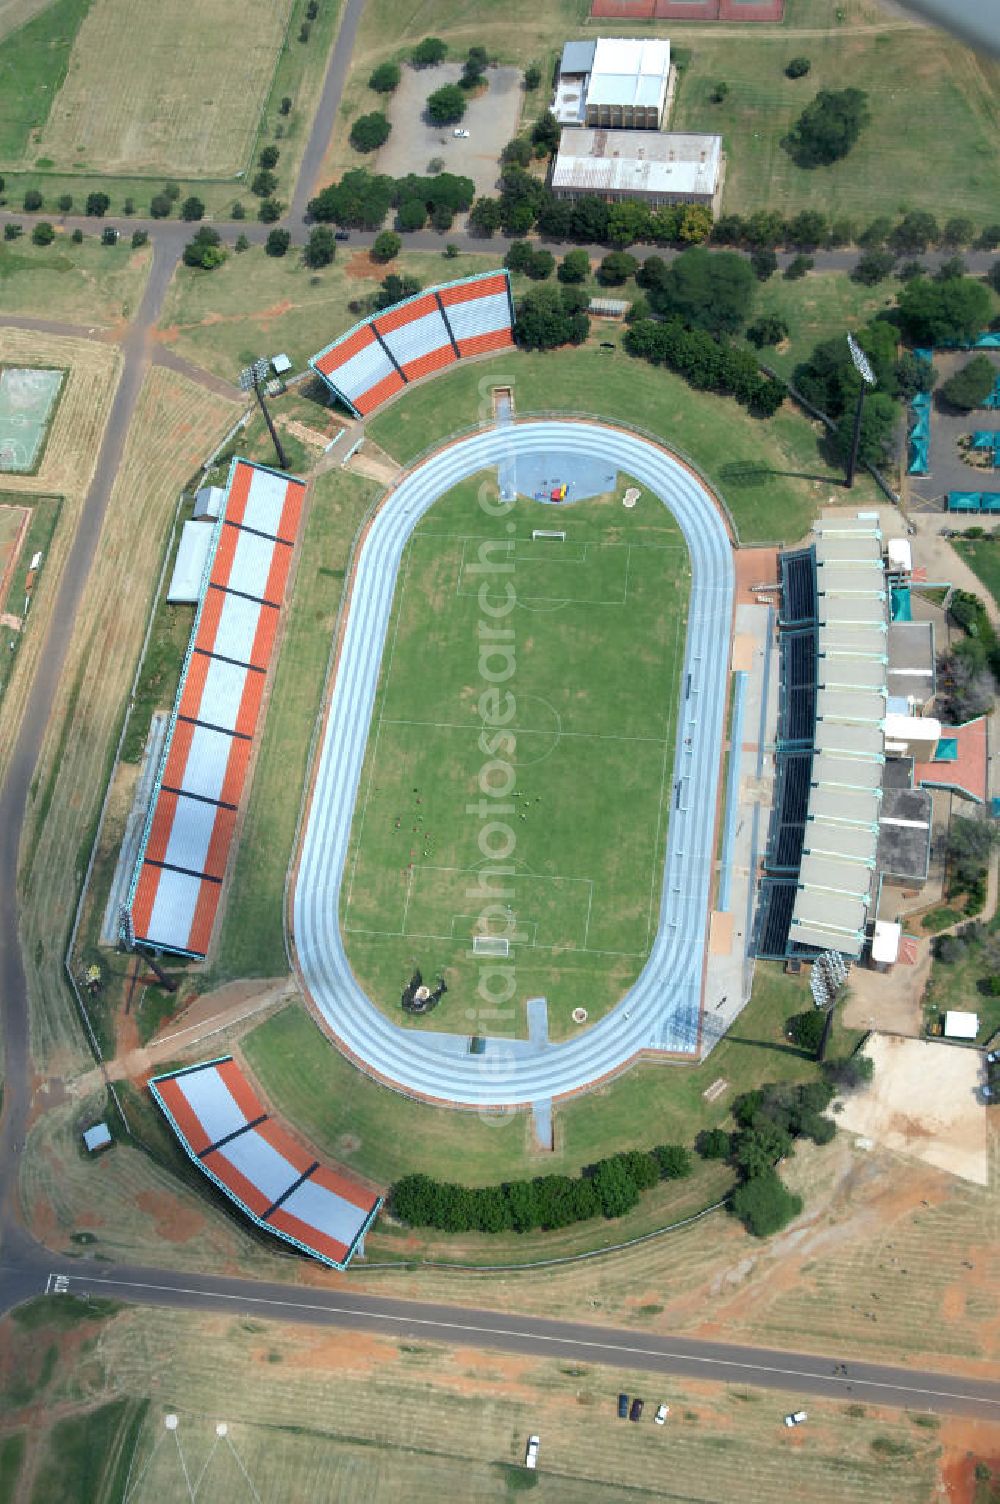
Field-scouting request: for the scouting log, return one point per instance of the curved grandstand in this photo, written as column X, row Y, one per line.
column 662, row 1010
column 377, row 358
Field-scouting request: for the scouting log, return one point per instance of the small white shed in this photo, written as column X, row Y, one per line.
column 280, row 364
column 98, row 1137
column 208, row 503
column 189, row 566
column 960, row 1025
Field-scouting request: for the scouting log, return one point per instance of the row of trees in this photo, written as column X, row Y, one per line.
column 525, row 204
column 706, row 363
column 609, row 1188
column 362, row 200
column 811, row 229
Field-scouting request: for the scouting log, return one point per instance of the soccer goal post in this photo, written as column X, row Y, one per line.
column 541, row 532
column 490, row 945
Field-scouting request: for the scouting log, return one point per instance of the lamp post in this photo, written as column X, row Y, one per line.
column 250, row 380
column 864, row 370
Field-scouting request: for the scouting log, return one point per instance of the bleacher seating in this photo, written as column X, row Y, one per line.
column 788, row 814
column 376, row 359
column 798, row 587
column 186, row 844
column 797, row 710
column 774, row 917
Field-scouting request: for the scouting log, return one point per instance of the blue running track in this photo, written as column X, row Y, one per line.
column 662, row 1009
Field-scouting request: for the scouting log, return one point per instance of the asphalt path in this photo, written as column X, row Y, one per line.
column 27, row 1268
column 662, row 1009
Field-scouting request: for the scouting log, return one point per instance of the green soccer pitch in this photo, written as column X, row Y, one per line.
column 598, row 631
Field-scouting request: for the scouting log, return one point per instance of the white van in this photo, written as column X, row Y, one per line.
column 531, row 1455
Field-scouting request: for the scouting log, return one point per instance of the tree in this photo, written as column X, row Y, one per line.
column 360, row 198
column 540, row 265
column 369, row 132
column 64, row 203
column 546, row 132
column 797, row 267
column 411, row 216
column 270, row 211
column 846, row 1074
column 616, row 268
column 695, row 224
column 518, row 255
column 320, row 248
column 77, row 237
column 914, row 374
column 43, row 233
column 98, row 204
column 970, row 842
column 764, row 1204
column 729, row 229
column 958, row 231
column 238, row 211
column 971, row 385
column 264, row 183
column 305, row 31
column 616, row 1190
column 128, row 207
column 277, row 242
column 285, row 107
column 720, row 92
column 395, row 288
column 429, row 52
column 442, row 218
column 914, row 233
column 484, row 216
column 33, row 200
column 627, row 223
column 872, row 266
column 941, row 313
column 971, row 685
column 385, row 78
column 878, row 422
column 574, row 267
column 544, row 321
column 757, row 1149
column 713, row 1143
column 828, row 128
column 907, row 270
column 769, row 329
column 709, row 290
column 12, row 231
column 952, row 267
column 517, row 153
column 765, row 228
column 590, row 219
column 555, row 219
column 532, row 77
column 386, row 246
column 451, row 250
column 877, row 233
column 205, row 250
column 807, row 230
column 673, row 1161
column 798, row 67
column 474, row 67
column 192, row 208
column 763, row 263
column 806, row 1029
column 139, row 239
column 446, row 105
column 993, row 276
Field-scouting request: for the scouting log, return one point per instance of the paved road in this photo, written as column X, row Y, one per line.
column 326, row 114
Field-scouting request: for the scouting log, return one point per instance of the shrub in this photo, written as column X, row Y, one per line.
column 574, row 267
column 128, row 207
column 385, row 78
column 160, row 206
column 517, row 153
column 797, row 268
column 616, row 268
column 872, row 266
column 764, row 1204
column 713, row 1143
column 429, row 52
column 242, row 244
column 540, row 265
column 846, row 1074
column 769, row 329
column 828, row 127
column 238, row 211
column 77, row 237
column 446, row 105
column 205, row 250
column 305, row 31
column 12, row 231
column 442, row 218
column 798, row 67
column 369, row 132
column 763, row 263
column 285, row 107
column 474, row 67
column 386, row 246
column 98, row 204
column 518, row 255
column 320, row 248
column 546, row 131
column 971, row 385
column 757, row 1149
column 173, row 191
column 139, row 239
column 43, row 233
column 269, row 157
column 277, row 243
column 719, row 93
column 64, row 203
column 33, row 200
column 673, row 1161
column 532, row 77
column 192, row 208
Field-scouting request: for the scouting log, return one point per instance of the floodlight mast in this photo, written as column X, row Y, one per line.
column 250, row 380
column 864, row 370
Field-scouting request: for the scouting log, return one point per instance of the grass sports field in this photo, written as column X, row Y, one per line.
column 598, row 634
column 163, row 86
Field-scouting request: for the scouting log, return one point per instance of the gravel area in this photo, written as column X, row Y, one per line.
column 491, row 120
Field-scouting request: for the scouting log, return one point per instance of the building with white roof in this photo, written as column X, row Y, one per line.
column 655, row 168
column 618, row 83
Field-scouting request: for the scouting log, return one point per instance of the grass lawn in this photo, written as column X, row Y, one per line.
column 932, row 142
column 983, row 557
column 222, row 319
column 384, row 1134
column 251, row 940
column 816, row 307
column 584, row 902
column 87, row 284
column 768, row 472
column 44, row 516
column 33, row 63
column 956, row 984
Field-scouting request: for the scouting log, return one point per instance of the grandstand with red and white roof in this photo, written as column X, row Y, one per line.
column 175, row 890
column 232, row 1138
column 376, row 359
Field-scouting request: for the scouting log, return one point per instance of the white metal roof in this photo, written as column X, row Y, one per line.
column 960, row 1025
column 885, row 942
column 208, row 501
column 623, row 161
column 627, row 71
column 189, row 565
column 834, row 548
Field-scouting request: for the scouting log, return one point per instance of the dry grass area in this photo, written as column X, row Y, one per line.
column 328, row 1415
column 175, row 425
column 66, row 469
column 161, row 86
column 17, row 13
column 88, row 284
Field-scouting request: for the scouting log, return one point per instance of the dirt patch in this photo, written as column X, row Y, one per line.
column 354, row 1351
column 176, row 1221
column 361, row 268
column 964, row 1443
column 754, row 566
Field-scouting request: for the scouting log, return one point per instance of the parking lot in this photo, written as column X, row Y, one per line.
column 949, row 470
column 491, row 120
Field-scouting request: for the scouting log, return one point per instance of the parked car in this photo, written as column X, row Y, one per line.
column 993, row 1057
column 341, row 234
column 623, row 1407
column 531, row 1455
column 461, row 134
column 661, row 1415
column 796, row 1418
column 636, row 1411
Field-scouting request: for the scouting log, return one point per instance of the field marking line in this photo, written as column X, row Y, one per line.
column 204, row 1468
column 387, row 672
column 590, row 905
column 625, row 955
column 628, row 562
column 187, row 1479
column 239, row 1464
column 127, row 1494
column 421, row 532
column 534, row 1336
column 406, row 900
column 598, row 736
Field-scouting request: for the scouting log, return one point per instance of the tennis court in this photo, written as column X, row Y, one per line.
column 27, row 401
